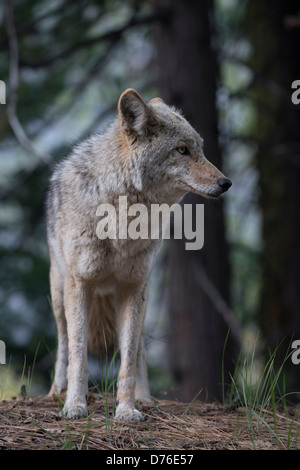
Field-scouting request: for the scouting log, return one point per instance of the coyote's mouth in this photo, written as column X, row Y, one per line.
column 209, row 195
column 213, row 191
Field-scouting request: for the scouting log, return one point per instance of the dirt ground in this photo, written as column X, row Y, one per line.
column 35, row 424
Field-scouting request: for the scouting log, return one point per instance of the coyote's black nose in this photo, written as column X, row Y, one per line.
column 224, row 183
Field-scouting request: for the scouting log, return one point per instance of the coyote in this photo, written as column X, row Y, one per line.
column 150, row 154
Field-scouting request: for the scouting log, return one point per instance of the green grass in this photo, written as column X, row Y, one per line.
column 259, row 390
column 9, row 383
column 13, row 383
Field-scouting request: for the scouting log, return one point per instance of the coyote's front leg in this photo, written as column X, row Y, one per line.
column 76, row 300
column 131, row 307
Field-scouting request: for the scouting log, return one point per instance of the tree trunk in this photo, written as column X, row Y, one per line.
column 187, row 73
column 276, row 65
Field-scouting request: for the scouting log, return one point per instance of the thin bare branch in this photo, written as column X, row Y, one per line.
column 14, row 81
column 217, row 300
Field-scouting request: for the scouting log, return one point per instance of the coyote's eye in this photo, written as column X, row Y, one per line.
column 183, row 150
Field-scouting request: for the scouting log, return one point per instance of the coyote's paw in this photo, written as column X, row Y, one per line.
column 128, row 414
column 74, row 411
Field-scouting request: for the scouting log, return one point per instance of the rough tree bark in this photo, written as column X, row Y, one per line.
column 276, row 65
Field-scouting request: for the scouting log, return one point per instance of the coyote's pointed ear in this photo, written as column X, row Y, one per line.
column 135, row 115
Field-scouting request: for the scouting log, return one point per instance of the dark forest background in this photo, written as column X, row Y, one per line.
column 229, row 66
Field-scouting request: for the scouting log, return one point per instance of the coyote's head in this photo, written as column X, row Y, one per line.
column 166, row 151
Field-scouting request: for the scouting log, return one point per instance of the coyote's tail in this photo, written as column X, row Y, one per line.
column 101, row 334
